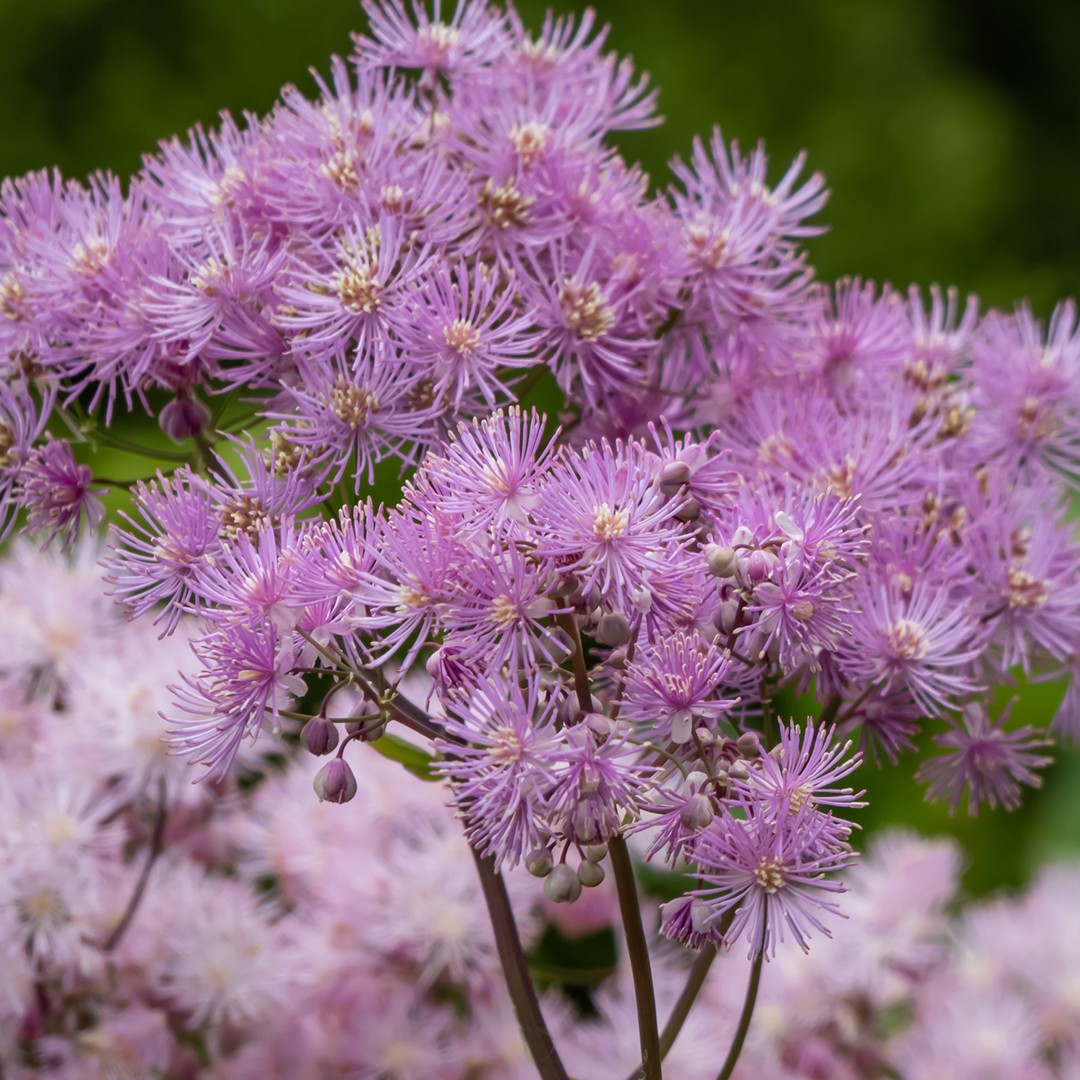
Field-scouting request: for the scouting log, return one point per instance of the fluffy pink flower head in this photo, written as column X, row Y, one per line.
column 983, row 757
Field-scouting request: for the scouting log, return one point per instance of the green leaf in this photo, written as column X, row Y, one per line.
column 412, row 757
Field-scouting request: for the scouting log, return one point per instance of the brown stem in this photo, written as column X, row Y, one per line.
column 577, row 662
column 637, row 950
column 403, row 710
column 631, row 650
column 512, row 957
column 157, row 844
column 629, row 908
column 747, row 1012
column 832, row 707
column 768, row 713
column 854, row 706
column 696, row 980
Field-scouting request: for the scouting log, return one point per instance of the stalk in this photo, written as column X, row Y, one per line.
column 638, row 952
column 695, row 981
column 747, row 1014
column 157, row 838
column 512, row 957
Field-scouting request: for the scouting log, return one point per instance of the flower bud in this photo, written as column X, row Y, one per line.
column 558, row 644
column 335, row 782
column 757, row 567
column 722, row 561
column 682, row 724
column 596, row 852
column 585, row 600
column 673, row 476
column 696, row 813
column 786, row 524
column 738, row 771
column 617, row 660
column 598, row 723
column 590, row 874
column 369, row 723
column 182, row 418
column 539, row 862
column 700, row 914
column 749, row 744
column 367, row 729
column 613, row 629
column 729, row 610
column 689, row 510
column 319, row 736
column 562, row 885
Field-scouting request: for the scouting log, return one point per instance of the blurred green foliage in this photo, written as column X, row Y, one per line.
column 948, row 133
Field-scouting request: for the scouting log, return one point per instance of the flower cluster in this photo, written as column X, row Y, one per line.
column 759, row 487
column 149, row 926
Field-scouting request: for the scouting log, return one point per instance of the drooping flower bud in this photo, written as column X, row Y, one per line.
column 729, row 611
column 319, row 736
column 696, row 813
column 183, row 418
column 335, row 782
column 757, row 567
column 598, row 723
column 596, row 852
column 562, row 885
column 749, row 744
column 682, row 724
column 590, row 874
column 370, row 723
column 722, row 561
column 617, row 660
column 689, row 510
column 539, row 862
column 673, row 476
column 613, row 629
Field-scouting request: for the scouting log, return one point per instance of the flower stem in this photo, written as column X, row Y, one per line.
column 747, row 1015
column 577, row 662
column 512, row 957
column 638, row 951
column 696, row 980
column 832, row 707
column 157, row 844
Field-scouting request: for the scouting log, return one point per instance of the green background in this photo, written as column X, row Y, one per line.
column 949, row 133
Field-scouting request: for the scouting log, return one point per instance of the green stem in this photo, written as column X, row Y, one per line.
column 637, row 947
column 515, row 969
column 221, row 406
column 118, row 443
column 637, row 950
column 747, row 1010
column 204, row 453
column 768, row 714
